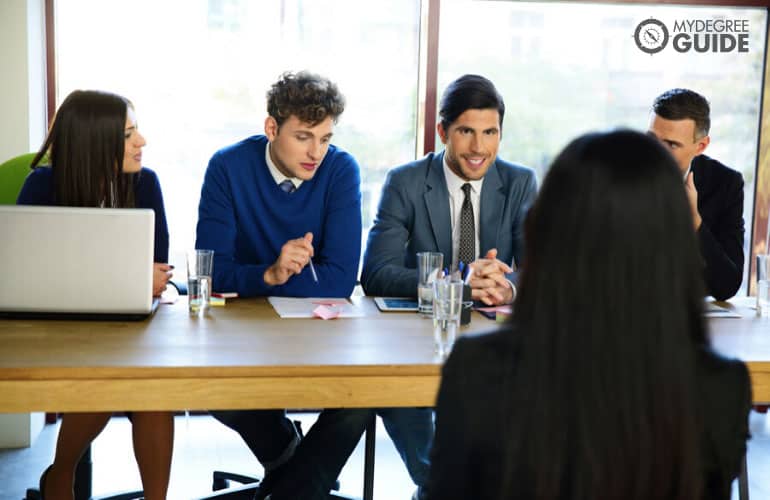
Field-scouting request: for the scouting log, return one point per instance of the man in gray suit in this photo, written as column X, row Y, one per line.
column 464, row 202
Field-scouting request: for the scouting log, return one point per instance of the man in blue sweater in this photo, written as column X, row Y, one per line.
column 464, row 202
column 269, row 204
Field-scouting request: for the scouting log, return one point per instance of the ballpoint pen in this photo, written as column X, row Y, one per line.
column 312, row 270
column 468, row 276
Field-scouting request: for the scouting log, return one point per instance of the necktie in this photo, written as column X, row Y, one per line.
column 287, row 186
column 467, row 251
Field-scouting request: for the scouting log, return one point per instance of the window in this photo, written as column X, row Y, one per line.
column 198, row 72
column 569, row 68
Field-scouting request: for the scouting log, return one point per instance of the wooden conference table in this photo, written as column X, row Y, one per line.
column 244, row 356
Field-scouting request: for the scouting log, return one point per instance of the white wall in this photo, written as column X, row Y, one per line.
column 22, row 129
column 22, row 86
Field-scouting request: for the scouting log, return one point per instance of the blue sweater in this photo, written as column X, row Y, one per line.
column 246, row 218
column 38, row 189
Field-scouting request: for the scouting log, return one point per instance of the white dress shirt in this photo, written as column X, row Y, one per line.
column 277, row 174
column 456, row 198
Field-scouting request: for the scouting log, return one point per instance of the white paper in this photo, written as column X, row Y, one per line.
column 712, row 310
column 291, row 307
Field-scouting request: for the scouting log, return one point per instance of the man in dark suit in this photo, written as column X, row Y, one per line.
column 464, row 202
column 680, row 120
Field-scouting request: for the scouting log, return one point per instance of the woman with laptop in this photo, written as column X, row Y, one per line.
column 94, row 149
column 602, row 385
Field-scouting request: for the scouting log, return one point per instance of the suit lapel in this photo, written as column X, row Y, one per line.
column 492, row 203
column 437, row 205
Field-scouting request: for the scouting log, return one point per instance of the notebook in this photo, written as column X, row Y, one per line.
column 76, row 263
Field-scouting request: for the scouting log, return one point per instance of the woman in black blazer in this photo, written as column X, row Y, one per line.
column 602, row 385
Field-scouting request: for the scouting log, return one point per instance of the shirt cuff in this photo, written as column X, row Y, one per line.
column 513, row 291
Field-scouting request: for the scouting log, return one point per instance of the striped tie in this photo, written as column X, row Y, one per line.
column 287, row 186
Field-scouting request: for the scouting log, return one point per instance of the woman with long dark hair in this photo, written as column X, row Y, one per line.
column 95, row 151
column 602, row 385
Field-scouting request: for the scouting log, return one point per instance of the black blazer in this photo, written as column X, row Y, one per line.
column 467, row 455
column 720, row 204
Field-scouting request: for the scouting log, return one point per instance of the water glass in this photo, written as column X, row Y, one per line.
column 428, row 269
column 447, row 304
column 763, row 285
column 199, row 266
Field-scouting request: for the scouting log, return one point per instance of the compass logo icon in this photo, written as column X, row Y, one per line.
column 651, row 36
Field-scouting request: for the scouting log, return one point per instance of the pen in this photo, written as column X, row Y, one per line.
column 468, row 276
column 312, row 270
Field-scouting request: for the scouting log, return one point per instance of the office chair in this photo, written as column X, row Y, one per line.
column 249, row 484
column 12, row 175
column 83, row 475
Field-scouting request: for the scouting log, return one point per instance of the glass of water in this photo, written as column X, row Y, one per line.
column 199, row 266
column 763, row 285
column 447, row 304
column 428, row 269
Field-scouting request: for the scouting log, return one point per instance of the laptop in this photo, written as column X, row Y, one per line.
column 76, row 263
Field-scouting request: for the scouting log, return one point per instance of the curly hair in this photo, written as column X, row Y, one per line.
column 309, row 97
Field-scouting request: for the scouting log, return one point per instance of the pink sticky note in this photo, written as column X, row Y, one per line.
column 496, row 309
column 324, row 312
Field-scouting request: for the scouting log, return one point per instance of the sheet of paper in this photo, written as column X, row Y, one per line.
column 712, row 310
column 291, row 307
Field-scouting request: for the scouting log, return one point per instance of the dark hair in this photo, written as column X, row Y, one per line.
column 683, row 104
column 85, row 147
column 469, row 92
column 309, row 97
column 605, row 330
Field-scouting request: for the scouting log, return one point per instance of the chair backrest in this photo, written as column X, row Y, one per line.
column 12, row 175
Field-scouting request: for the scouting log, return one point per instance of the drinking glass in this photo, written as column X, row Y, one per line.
column 199, row 266
column 763, row 285
column 428, row 269
column 447, row 304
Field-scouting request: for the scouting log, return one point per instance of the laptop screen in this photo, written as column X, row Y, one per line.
column 76, row 260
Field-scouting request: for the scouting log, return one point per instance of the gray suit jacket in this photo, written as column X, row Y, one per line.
column 414, row 216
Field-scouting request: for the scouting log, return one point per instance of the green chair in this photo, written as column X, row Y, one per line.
column 12, row 175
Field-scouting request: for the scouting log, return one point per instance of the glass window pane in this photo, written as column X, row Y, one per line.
column 568, row 68
column 198, row 70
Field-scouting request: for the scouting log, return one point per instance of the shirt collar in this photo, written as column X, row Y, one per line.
column 278, row 176
column 689, row 169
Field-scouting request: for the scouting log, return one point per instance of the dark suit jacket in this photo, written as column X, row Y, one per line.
column 414, row 216
column 467, row 455
column 720, row 204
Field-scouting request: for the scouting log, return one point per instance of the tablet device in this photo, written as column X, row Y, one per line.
column 390, row 304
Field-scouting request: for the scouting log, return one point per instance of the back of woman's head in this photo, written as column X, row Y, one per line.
column 85, row 147
column 605, row 328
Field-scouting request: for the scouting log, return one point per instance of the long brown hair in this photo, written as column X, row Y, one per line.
column 85, row 146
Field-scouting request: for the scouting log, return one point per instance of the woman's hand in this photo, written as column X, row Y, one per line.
column 161, row 273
